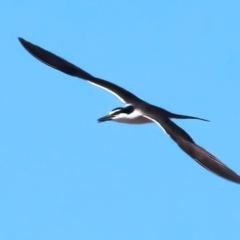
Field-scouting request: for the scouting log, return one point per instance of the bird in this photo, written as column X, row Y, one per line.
column 138, row 111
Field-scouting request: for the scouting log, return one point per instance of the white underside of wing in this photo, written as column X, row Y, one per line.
column 122, row 100
column 156, row 123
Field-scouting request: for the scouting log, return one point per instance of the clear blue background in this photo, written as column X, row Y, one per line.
column 63, row 176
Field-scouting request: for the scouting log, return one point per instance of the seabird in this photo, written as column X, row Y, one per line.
column 137, row 111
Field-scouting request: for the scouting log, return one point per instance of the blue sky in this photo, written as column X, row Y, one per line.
column 63, row 176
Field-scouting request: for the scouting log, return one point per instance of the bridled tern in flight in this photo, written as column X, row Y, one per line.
column 137, row 111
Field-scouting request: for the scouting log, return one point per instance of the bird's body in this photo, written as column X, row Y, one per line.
column 133, row 118
column 137, row 111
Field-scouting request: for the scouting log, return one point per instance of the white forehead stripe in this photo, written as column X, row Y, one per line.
column 115, row 111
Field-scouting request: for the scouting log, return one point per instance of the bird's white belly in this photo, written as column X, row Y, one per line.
column 136, row 117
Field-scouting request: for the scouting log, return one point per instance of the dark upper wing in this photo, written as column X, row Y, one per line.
column 208, row 161
column 62, row 65
column 186, row 143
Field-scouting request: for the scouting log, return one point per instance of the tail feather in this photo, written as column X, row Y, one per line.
column 178, row 116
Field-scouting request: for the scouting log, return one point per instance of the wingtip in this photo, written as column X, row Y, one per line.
column 27, row 45
column 21, row 40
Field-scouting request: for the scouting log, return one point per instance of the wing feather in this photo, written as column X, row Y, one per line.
column 64, row 66
column 199, row 154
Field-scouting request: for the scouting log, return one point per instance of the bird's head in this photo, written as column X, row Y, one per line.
column 117, row 114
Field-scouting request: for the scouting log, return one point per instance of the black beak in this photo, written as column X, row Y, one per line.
column 105, row 118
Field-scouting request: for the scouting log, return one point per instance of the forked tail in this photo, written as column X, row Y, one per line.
column 178, row 116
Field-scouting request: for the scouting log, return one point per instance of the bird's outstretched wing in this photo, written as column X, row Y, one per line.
column 186, row 143
column 62, row 65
